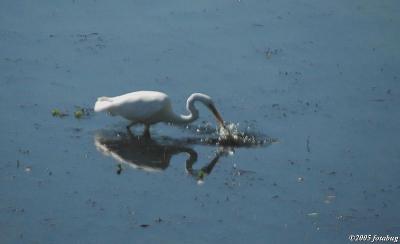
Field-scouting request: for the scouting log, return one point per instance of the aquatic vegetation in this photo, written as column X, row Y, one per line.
column 57, row 113
column 201, row 174
column 79, row 113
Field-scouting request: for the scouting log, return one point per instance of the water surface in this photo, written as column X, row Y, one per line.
column 320, row 80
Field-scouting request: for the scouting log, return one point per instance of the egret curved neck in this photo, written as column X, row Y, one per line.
column 193, row 112
column 185, row 119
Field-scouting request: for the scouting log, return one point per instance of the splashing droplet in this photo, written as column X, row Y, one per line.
column 231, row 135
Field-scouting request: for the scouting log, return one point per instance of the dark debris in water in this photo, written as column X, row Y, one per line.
column 119, row 169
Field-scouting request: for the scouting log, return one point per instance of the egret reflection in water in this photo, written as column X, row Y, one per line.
column 152, row 155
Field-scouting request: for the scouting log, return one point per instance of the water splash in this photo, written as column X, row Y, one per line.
column 205, row 128
column 232, row 135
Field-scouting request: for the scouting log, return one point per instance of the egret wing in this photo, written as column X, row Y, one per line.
column 140, row 106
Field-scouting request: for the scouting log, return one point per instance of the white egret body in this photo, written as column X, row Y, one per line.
column 150, row 107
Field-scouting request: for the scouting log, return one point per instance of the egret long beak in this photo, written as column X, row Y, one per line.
column 217, row 115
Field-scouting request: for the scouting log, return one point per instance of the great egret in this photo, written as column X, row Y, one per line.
column 151, row 107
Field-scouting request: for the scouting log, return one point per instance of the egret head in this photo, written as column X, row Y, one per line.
column 206, row 100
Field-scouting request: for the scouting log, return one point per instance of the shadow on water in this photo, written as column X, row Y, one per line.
column 153, row 154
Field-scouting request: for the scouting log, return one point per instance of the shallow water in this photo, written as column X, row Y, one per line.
column 310, row 90
column 154, row 153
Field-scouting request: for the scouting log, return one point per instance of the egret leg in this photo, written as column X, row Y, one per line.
column 130, row 125
column 146, row 132
column 130, row 134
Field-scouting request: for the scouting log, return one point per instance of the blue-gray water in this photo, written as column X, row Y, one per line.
column 322, row 78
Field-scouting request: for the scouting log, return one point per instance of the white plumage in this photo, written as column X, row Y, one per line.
column 150, row 107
